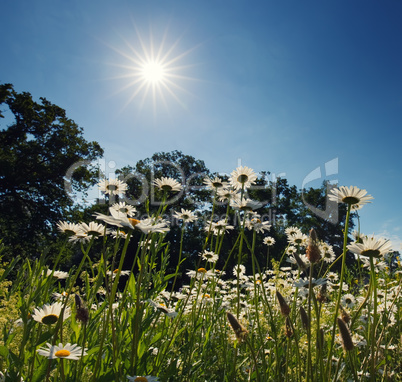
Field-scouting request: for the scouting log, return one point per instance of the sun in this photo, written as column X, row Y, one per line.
column 153, row 71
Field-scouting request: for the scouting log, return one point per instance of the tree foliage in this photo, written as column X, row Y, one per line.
column 37, row 149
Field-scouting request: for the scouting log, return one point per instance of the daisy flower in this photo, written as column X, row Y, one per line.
column 186, row 215
column 291, row 250
column 138, row 378
column 215, row 183
column 348, row 300
column 240, row 269
column 112, row 187
column 120, row 219
column 115, row 234
column 371, row 247
column 378, row 264
column 67, row 351
column 225, row 194
column 162, row 308
column 304, row 283
column 114, row 273
column 57, row 274
column 124, row 208
column 298, row 239
column 80, row 237
column 327, row 252
column 150, row 225
column 210, row 256
column 244, row 204
column 257, row 225
column 167, row 184
column 49, row 314
column 68, row 228
column 218, row 227
column 242, row 178
column 60, row 296
column 269, row 241
column 93, row 229
column 349, row 195
column 290, row 231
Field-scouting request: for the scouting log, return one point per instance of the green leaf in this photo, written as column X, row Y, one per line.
column 40, row 372
column 131, row 285
column 43, row 338
column 156, row 338
column 3, row 352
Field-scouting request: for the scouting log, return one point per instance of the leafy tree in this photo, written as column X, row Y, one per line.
column 40, row 156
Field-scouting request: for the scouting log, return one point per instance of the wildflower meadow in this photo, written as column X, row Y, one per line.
column 305, row 316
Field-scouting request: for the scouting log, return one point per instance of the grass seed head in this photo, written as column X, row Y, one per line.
column 240, row 331
column 346, row 338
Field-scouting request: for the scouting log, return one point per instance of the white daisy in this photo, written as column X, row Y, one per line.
column 257, row 225
column 93, row 229
column 242, row 178
column 245, row 204
column 371, row 247
column 210, row 256
column 218, row 227
column 49, row 314
column 80, row 237
column 349, row 195
column 124, row 208
column 112, row 186
column 215, row 183
column 67, row 351
column 269, row 241
column 226, row 194
column 150, row 225
column 186, row 215
column 298, row 238
column 327, row 252
column 304, row 283
column 348, row 300
column 116, row 271
column 240, row 269
column 163, row 308
column 290, row 231
column 167, row 184
column 68, row 228
column 57, row 274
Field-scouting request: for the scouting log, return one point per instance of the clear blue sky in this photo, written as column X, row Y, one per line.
column 284, row 86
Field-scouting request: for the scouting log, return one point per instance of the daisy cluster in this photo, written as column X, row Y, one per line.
column 140, row 323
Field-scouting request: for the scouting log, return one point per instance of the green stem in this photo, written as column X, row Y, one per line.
column 374, row 323
column 338, row 300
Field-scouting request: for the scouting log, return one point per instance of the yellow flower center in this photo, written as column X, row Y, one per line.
column 62, row 353
column 206, row 295
column 133, row 222
column 50, row 319
column 116, row 270
column 202, row 270
column 141, row 379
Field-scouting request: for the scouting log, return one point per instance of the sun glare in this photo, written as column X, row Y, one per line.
column 155, row 73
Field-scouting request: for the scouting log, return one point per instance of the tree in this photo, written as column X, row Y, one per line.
column 37, row 150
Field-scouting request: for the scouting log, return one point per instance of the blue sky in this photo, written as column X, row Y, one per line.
column 280, row 86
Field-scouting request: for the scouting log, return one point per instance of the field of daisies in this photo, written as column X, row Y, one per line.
column 304, row 317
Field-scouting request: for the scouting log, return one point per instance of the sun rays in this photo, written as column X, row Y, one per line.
column 152, row 71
